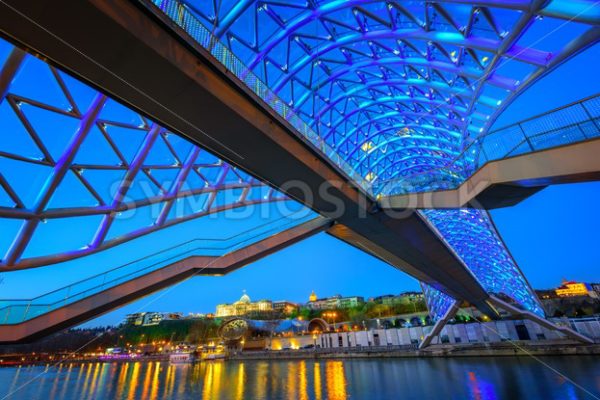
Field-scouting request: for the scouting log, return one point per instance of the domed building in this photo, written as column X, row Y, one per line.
column 245, row 299
column 244, row 306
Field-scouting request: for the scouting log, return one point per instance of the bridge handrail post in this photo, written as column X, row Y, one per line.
column 26, row 312
column 589, row 114
column 526, row 137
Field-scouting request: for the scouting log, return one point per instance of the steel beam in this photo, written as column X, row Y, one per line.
column 440, row 324
column 9, row 70
column 59, row 171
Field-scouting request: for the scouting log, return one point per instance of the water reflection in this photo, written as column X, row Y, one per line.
column 478, row 379
column 336, row 380
column 317, row 385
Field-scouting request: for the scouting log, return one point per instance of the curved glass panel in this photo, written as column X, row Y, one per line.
column 573, row 123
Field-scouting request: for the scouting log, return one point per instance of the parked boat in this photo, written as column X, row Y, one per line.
column 182, row 358
column 213, row 356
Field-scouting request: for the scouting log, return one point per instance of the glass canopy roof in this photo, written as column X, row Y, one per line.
column 393, row 89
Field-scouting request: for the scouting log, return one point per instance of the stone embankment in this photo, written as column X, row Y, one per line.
column 464, row 350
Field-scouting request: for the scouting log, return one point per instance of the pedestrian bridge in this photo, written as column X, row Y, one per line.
column 145, row 118
column 559, row 146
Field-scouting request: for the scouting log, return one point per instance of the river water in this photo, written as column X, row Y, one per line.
column 447, row 378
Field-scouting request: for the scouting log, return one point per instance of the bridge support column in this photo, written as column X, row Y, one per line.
column 517, row 312
column 439, row 325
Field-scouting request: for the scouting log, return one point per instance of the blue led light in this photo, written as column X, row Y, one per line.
column 437, row 302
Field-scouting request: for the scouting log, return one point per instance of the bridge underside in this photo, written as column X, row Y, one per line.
column 136, row 54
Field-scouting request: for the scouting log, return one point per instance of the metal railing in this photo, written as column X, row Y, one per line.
column 14, row 311
column 200, row 34
column 573, row 123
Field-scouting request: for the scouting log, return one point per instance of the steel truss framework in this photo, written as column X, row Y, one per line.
column 70, row 152
column 399, row 88
column 473, row 236
column 395, row 88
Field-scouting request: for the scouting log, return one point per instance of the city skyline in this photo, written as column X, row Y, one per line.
column 306, row 301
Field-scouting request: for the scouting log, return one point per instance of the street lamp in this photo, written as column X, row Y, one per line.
column 334, row 317
column 331, row 315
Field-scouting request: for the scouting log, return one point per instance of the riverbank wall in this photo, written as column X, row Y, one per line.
column 506, row 349
column 475, row 350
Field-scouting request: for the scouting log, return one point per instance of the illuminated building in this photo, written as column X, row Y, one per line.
column 244, row 306
column 337, row 301
column 403, row 298
column 201, row 315
column 150, row 318
column 571, row 289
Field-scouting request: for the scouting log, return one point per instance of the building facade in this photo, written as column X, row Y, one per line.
column 151, row 318
column 477, row 332
column 402, row 298
column 333, row 302
column 285, row 307
column 572, row 289
column 244, row 306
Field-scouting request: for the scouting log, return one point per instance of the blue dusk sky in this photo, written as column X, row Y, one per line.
column 552, row 235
